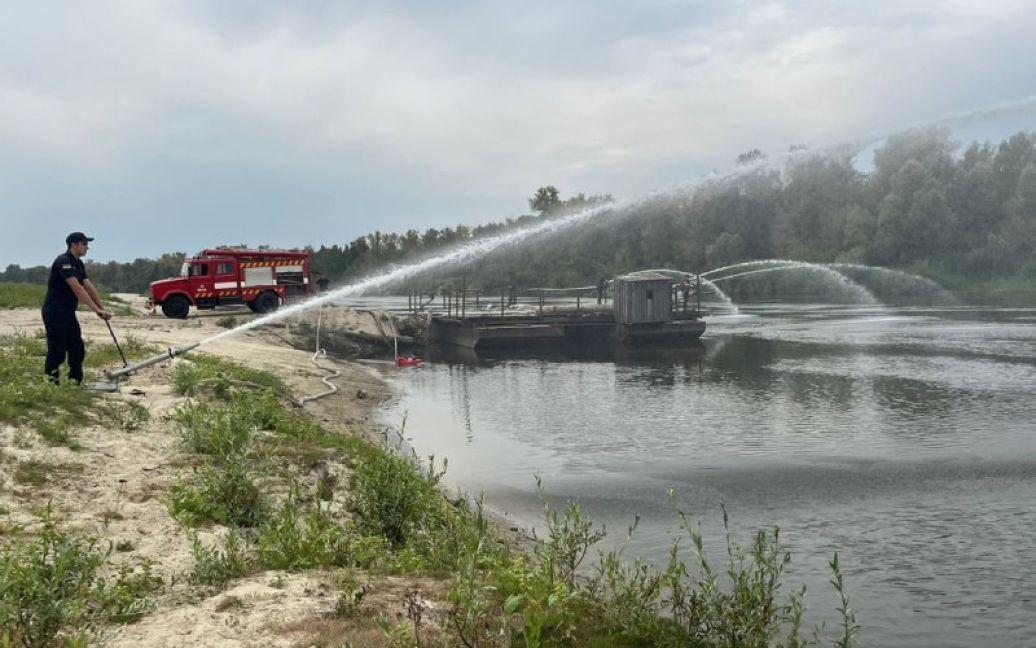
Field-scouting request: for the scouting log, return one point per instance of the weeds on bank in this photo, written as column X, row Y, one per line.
column 538, row 599
column 401, row 522
column 224, row 494
column 53, row 594
column 219, row 376
column 57, row 411
column 29, row 295
column 22, row 295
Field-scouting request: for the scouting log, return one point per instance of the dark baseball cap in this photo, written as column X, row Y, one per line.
column 77, row 237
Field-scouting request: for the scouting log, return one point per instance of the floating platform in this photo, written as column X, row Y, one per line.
column 569, row 329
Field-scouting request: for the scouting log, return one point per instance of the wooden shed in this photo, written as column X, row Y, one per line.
column 643, row 298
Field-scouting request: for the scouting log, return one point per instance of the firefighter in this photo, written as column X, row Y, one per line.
column 67, row 285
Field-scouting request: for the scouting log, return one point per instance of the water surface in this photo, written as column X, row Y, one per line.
column 903, row 438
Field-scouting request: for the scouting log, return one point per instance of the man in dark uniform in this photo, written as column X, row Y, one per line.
column 66, row 287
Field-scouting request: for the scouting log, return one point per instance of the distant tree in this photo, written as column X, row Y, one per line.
column 545, row 199
column 749, row 157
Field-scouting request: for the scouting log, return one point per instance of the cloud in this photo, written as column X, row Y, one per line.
column 472, row 105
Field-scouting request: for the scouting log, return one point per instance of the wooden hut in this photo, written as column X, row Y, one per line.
column 643, row 299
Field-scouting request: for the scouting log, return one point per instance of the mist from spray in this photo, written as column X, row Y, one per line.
column 859, row 292
column 482, row 247
column 463, row 254
column 923, row 282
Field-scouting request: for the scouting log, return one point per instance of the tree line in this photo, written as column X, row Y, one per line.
column 925, row 205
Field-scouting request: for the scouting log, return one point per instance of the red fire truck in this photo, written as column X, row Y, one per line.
column 261, row 279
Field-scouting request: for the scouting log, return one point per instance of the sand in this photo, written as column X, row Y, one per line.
column 113, row 487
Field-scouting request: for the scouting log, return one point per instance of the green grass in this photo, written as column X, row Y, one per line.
column 567, row 591
column 225, row 494
column 217, row 376
column 37, row 473
column 22, row 295
column 54, row 592
column 56, row 412
column 25, row 295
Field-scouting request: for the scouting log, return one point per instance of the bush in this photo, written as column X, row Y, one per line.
column 213, row 566
column 212, row 429
column 294, row 539
column 50, row 588
column 224, row 495
column 393, row 498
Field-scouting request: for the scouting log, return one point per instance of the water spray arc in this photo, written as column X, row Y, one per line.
column 839, row 269
column 482, row 247
column 465, row 253
column 857, row 290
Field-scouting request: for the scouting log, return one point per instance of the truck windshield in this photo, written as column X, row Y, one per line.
column 194, row 270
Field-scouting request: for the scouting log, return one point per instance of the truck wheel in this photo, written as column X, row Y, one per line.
column 176, row 307
column 267, row 302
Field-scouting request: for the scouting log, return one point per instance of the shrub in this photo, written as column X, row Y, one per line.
column 213, row 566
column 129, row 416
column 224, row 495
column 211, row 429
column 294, row 539
column 395, row 499
column 50, row 587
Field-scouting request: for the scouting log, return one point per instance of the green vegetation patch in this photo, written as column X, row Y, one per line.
column 217, row 376
column 22, row 295
column 37, row 473
column 567, row 591
column 224, row 494
column 56, row 412
column 52, row 591
column 30, row 295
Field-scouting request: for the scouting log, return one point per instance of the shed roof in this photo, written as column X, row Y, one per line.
column 644, row 276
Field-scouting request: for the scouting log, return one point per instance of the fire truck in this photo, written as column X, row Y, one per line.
column 260, row 279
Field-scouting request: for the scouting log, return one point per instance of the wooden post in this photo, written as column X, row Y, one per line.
column 577, row 301
column 464, row 298
column 697, row 292
column 541, row 303
column 478, row 293
column 503, row 296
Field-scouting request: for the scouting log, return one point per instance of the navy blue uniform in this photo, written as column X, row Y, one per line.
column 59, row 317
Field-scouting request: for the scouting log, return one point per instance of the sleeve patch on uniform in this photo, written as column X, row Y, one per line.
column 67, row 266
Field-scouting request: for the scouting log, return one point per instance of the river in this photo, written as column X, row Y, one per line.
column 903, row 438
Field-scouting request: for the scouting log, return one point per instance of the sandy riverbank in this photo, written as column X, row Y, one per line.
column 116, row 491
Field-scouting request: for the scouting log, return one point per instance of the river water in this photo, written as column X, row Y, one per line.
column 903, row 438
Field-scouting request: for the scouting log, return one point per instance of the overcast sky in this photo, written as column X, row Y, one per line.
column 174, row 126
